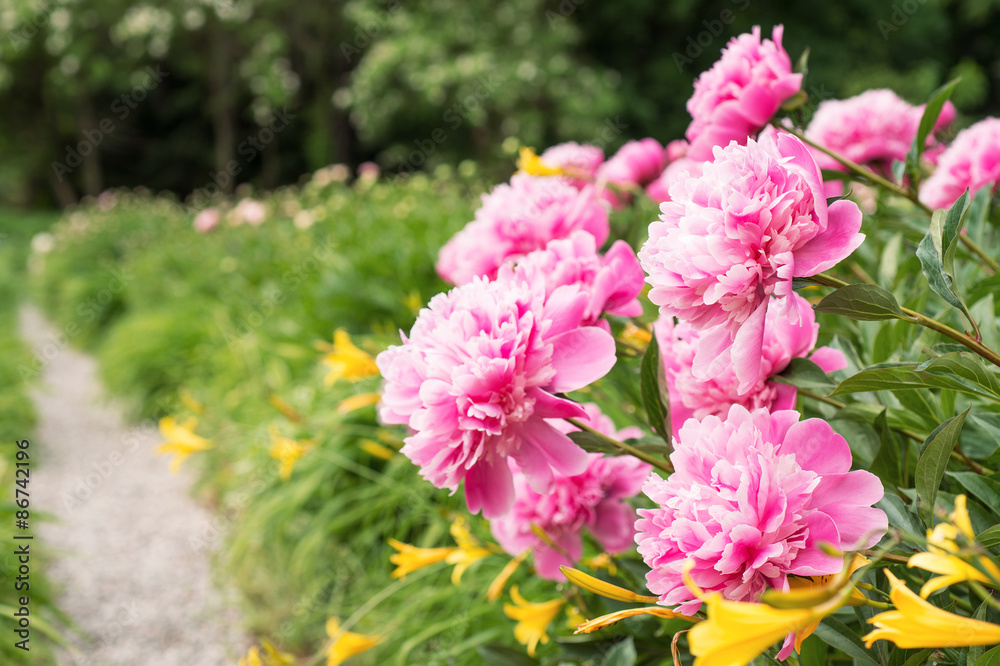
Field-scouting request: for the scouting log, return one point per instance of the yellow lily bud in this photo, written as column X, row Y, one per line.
column 598, row 586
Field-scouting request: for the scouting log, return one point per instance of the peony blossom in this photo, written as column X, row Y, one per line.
column 875, row 127
column 578, row 161
column 636, row 164
column 516, row 219
column 248, row 211
column 593, row 499
column 783, row 341
column 751, row 499
column 737, row 97
column 731, row 240
column 971, row 162
column 207, row 220
column 479, row 375
column 659, row 189
column 612, row 282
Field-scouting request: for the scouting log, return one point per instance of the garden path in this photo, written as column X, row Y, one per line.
column 132, row 572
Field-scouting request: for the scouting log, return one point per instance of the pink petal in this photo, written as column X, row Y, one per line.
column 562, row 453
column 817, row 447
column 829, row 359
column 832, row 246
column 581, row 357
column 747, row 346
column 614, row 526
column 489, row 487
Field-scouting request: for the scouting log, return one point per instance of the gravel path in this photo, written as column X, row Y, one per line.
column 139, row 590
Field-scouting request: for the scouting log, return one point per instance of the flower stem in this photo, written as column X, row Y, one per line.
column 659, row 463
column 925, row 321
column 991, row 264
column 983, row 594
column 897, row 559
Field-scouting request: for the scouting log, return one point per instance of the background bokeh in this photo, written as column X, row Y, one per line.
column 167, row 95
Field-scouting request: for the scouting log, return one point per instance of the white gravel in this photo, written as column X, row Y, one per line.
column 138, row 589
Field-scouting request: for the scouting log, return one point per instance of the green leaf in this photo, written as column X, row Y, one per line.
column 983, row 488
column 803, row 373
column 976, row 651
column 966, row 365
column 905, row 376
column 494, row 654
column 927, row 122
column 991, row 658
column 886, row 463
column 900, row 515
column 936, row 253
column 653, row 388
column 990, row 537
column 622, row 654
column 920, row 658
column 933, row 462
column 838, row 635
column 888, row 269
column 865, row 302
column 592, row 443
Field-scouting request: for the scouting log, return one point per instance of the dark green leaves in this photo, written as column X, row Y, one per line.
column 934, row 461
column 955, row 371
column 803, row 373
column 927, row 122
column 622, row 654
column 866, row 302
column 937, row 253
column 653, row 388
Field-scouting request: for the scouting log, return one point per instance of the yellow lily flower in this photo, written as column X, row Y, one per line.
column 410, row 558
column 528, row 162
column 496, row 587
column 737, row 632
column 356, row 402
column 252, row 658
column 188, row 400
column 945, row 554
column 462, row 557
column 373, row 448
column 917, row 623
column 346, row 644
column 347, row 361
column 611, row 618
column 532, row 618
column 635, row 336
column 274, row 657
column 181, row 440
column 286, row 451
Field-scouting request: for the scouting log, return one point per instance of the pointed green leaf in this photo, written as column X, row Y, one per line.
column 934, row 461
column 983, row 488
column 653, row 388
column 622, row 654
column 966, row 366
column 886, row 463
column 837, row 634
column 866, row 302
column 936, row 253
column 991, row 658
column 803, row 373
column 930, row 117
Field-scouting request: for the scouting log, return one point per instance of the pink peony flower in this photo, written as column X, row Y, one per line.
column 875, row 127
column 478, row 376
column 659, row 189
column 783, row 341
column 248, row 211
column 735, row 236
column 751, row 499
column 612, row 282
column 580, row 160
column 207, row 220
column 593, row 499
column 516, row 219
column 737, row 97
column 637, row 163
column 972, row 161
column 676, row 149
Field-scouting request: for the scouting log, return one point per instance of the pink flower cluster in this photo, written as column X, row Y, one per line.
column 875, row 127
column 784, row 339
column 740, row 94
column 479, row 375
column 518, row 218
column 593, row 500
column 751, row 499
column 612, row 282
column 731, row 240
column 971, row 162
